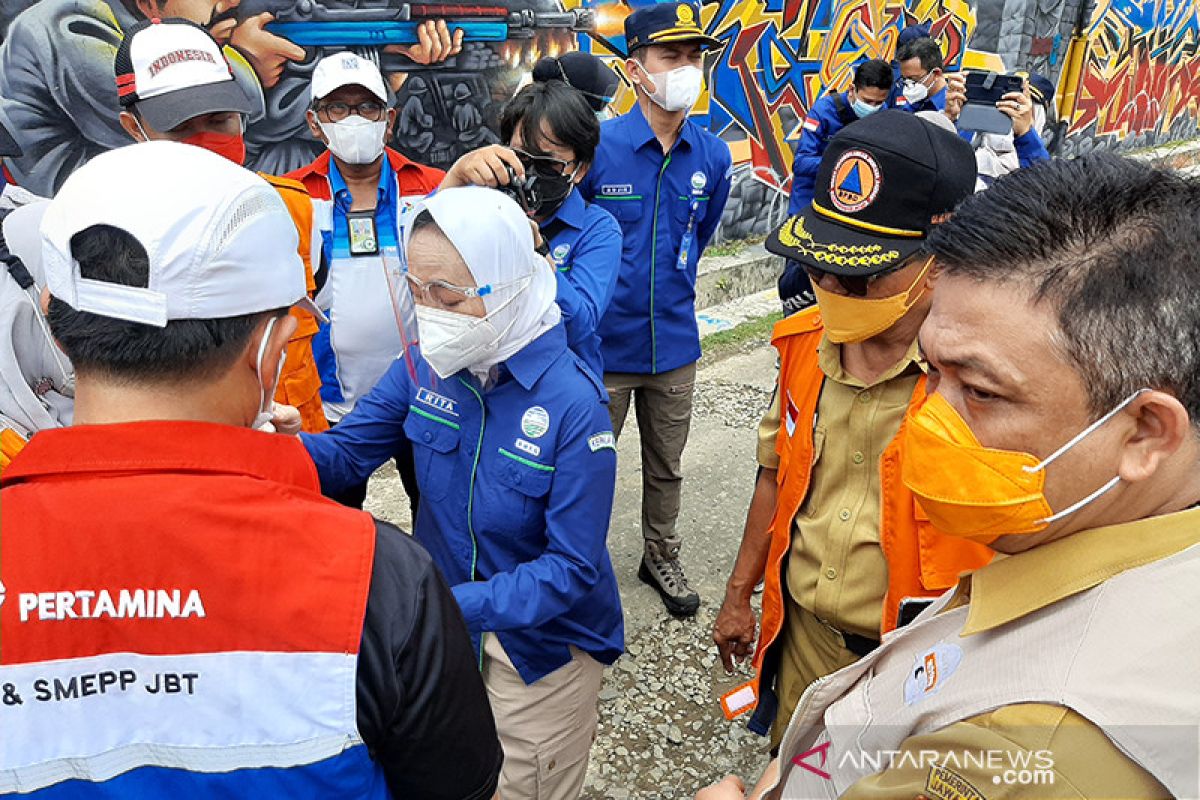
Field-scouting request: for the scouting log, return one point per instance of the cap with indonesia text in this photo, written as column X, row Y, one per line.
column 219, row 239
column 882, row 183
column 172, row 70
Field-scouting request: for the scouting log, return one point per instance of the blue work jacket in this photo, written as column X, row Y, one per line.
column 585, row 246
column 822, row 123
column 668, row 207
column 516, row 493
column 934, row 102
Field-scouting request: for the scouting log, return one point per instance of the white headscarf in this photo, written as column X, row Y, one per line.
column 494, row 238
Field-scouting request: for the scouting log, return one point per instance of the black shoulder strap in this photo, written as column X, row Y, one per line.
column 844, row 111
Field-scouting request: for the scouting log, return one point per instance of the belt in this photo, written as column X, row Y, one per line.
column 859, row 645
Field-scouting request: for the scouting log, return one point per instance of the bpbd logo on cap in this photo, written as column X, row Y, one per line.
column 856, row 181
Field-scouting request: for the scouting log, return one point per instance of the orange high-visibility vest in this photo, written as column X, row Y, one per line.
column 300, row 383
column 921, row 561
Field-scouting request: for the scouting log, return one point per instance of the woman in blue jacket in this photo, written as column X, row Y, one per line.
column 516, row 465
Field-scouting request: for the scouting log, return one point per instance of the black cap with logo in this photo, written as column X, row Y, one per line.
column 882, row 182
column 662, row 23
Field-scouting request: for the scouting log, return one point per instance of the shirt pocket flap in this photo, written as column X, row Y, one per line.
column 525, row 475
column 429, row 430
column 624, row 208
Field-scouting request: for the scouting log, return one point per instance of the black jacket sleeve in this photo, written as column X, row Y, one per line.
column 422, row 708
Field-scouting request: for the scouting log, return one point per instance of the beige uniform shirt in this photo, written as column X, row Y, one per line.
column 1085, row 763
column 836, row 568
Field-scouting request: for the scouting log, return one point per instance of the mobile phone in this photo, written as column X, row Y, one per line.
column 984, row 90
column 910, row 607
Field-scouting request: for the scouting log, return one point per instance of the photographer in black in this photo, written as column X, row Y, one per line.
column 551, row 134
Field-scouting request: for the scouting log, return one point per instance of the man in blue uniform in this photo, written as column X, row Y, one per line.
column 922, row 69
column 831, row 113
column 666, row 180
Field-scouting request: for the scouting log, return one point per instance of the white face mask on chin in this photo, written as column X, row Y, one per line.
column 678, row 89
column 355, row 140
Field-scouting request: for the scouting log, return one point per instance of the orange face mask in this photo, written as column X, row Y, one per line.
column 976, row 492
column 856, row 319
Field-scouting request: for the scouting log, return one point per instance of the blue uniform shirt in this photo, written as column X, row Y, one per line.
column 934, row 102
column 516, row 493
column 822, row 123
column 585, row 245
column 662, row 204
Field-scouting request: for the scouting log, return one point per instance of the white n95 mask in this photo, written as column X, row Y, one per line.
column 451, row 341
column 677, row 90
column 915, row 91
column 355, row 140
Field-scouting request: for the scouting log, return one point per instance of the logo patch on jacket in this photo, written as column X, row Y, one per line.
column 528, row 447
column 435, row 400
column 930, row 671
column 535, row 422
column 602, row 441
column 790, row 415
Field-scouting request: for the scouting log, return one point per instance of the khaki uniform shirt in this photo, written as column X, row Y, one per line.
column 1084, row 762
column 836, row 568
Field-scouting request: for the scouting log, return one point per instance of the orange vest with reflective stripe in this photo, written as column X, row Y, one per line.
column 300, row 383
column 921, row 562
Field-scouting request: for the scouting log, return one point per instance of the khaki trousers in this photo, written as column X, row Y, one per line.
column 810, row 649
column 546, row 730
column 663, row 404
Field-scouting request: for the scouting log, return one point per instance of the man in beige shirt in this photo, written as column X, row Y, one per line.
column 1063, row 432
column 849, row 370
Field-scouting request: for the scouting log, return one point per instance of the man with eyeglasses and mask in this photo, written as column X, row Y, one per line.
column 359, row 187
column 922, row 76
column 552, row 135
column 666, row 180
column 845, row 553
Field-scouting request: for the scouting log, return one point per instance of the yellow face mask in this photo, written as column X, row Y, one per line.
column 856, row 319
column 976, row 492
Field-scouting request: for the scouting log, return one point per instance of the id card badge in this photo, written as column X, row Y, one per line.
column 363, row 241
column 689, row 235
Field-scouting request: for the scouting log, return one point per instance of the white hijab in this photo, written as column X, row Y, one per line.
column 495, row 239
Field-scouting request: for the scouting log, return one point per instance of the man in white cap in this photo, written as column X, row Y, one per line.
column 359, row 187
column 220, row 629
column 173, row 83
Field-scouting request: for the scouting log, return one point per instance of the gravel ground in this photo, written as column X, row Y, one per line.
column 662, row 735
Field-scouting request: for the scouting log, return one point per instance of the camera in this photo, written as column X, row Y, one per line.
column 526, row 192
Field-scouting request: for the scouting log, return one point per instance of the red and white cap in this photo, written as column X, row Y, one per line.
column 174, row 70
column 221, row 242
column 347, row 69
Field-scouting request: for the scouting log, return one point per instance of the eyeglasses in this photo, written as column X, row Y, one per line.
column 545, row 166
column 444, row 295
column 371, row 110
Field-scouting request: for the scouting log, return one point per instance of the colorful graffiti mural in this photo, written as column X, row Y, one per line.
column 1141, row 78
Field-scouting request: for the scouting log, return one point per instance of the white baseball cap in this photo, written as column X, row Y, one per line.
column 173, row 70
column 347, row 69
column 221, row 242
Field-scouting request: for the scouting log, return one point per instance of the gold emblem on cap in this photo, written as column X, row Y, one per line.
column 684, row 14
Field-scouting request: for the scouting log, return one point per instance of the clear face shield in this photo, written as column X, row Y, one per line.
column 395, row 266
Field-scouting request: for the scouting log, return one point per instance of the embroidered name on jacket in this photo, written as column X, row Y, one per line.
column 101, row 603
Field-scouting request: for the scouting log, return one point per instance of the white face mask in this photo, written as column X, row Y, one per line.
column 915, row 91
column 451, row 341
column 355, row 140
column 262, row 422
column 677, row 90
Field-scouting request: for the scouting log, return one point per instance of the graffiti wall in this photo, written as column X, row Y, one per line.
column 1140, row 77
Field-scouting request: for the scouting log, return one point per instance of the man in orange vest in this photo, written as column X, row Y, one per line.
column 219, row 628
column 174, row 83
column 845, row 552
